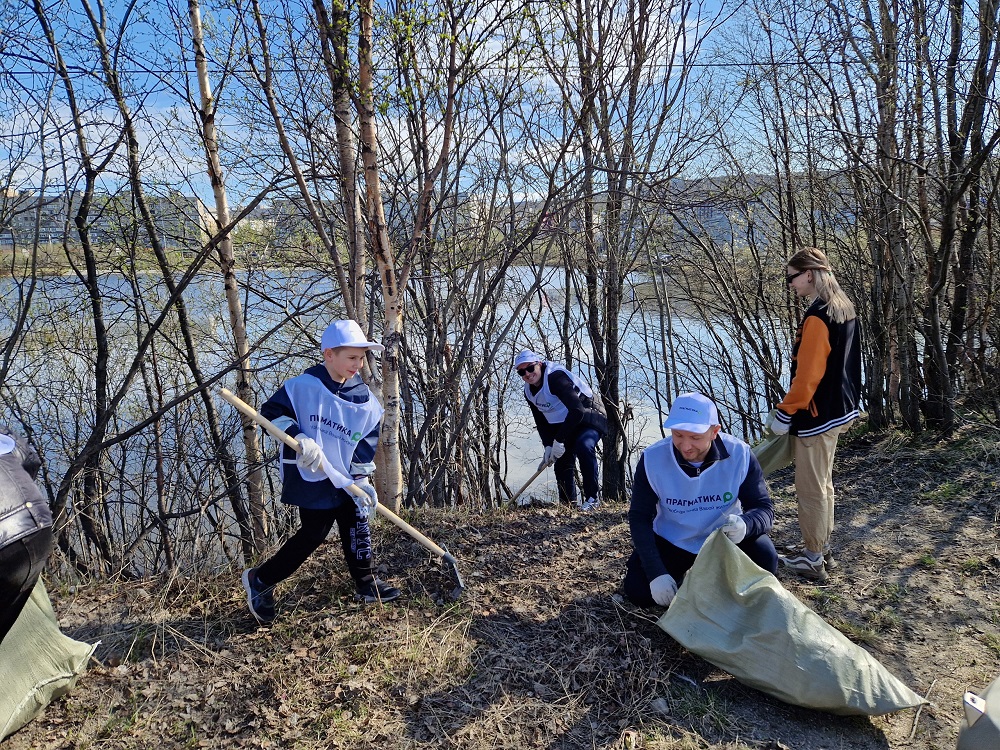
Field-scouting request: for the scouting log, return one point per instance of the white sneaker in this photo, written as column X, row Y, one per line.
column 807, row 564
column 590, row 503
column 828, row 559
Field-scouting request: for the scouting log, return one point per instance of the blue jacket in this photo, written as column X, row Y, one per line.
column 758, row 508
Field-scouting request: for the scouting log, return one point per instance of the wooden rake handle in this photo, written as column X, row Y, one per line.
column 532, row 478
column 279, row 434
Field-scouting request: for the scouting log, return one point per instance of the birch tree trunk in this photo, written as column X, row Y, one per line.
column 333, row 28
column 258, row 515
column 192, row 355
column 390, row 475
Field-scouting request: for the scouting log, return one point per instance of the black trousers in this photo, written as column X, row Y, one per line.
column 678, row 561
column 355, row 538
column 583, row 448
column 21, row 563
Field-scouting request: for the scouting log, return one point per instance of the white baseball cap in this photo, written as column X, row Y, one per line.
column 525, row 356
column 692, row 412
column 7, row 444
column 346, row 333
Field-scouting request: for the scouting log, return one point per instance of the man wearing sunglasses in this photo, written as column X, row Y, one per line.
column 570, row 421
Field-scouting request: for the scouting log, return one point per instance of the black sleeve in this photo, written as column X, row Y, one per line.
column 641, row 512
column 31, row 462
column 758, row 508
column 546, row 431
column 563, row 388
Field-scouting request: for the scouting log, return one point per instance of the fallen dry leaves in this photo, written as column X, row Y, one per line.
column 541, row 652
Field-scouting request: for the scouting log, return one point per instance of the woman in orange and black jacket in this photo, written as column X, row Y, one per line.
column 821, row 402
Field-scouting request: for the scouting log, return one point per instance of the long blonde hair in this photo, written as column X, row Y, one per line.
column 838, row 306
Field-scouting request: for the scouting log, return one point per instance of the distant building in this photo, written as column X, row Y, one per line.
column 181, row 222
column 720, row 210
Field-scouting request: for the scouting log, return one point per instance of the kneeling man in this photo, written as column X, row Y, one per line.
column 695, row 481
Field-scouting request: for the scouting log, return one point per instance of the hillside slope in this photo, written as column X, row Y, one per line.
column 540, row 652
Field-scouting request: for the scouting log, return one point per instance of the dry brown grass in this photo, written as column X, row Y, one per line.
column 540, row 652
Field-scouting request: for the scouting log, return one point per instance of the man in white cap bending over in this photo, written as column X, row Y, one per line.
column 686, row 486
column 570, row 421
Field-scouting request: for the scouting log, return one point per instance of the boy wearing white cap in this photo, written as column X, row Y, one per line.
column 333, row 415
column 570, row 421
column 695, row 481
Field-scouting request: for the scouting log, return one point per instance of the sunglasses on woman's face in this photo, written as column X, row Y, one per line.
column 522, row 371
column 789, row 278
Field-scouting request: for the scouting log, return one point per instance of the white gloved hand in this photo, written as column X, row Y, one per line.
column 663, row 588
column 558, row 449
column 735, row 528
column 547, row 459
column 310, row 455
column 777, row 426
column 366, row 504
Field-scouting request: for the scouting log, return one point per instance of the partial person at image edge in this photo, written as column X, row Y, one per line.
column 686, row 486
column 570, row 421
column 25, row 528
column 821, row 403
column 334, row 416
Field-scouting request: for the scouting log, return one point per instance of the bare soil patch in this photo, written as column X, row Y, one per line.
column 540, row 652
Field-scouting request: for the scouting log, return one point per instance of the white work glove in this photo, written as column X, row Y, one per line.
column 558, row 449
column 366, row 504
column 663, row 588
column 777, row 426
column 735, row 528
column 547, row 459
column 310, row 455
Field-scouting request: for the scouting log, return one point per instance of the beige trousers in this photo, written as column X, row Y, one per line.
column 814, row 486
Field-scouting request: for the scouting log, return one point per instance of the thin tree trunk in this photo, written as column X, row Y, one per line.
column 220, row 447
column 390, row 474
column 333, row 43
column 89, row 467
column 251, row 445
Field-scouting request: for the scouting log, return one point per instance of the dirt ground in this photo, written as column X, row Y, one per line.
column 540, row 651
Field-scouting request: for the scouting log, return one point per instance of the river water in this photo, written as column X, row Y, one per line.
column 283, row 307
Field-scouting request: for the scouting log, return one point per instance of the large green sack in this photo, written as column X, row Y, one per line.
column 774, row 452
column 738, row 616
column 38, row 663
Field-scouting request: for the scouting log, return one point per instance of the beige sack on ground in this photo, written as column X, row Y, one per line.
column 738, row 616
column 774, row 452
column 38, row 663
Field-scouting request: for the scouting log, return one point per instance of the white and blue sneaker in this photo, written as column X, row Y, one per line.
column 260, row 598
column 591, row 503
